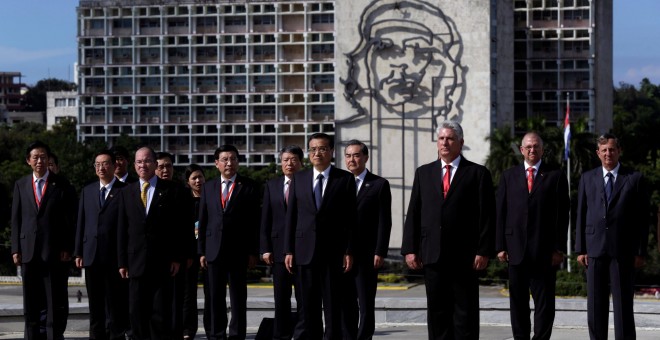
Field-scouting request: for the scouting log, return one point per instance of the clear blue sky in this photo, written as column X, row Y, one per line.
column 38, row 39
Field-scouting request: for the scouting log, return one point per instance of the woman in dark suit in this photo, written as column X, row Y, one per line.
column 194, row 176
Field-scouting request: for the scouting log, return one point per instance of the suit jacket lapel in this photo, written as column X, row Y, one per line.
column 621, row 180
column 436, row 177
column 234, row 194
column 30, row 188
column 366, row 185
column 540, row 174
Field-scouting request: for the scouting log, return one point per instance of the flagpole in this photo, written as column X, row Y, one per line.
column 568, row 176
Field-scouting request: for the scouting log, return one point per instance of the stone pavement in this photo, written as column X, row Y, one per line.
column 401, row 314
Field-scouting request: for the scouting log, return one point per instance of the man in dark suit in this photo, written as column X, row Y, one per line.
column 611, row 238
column 320, row 225
column 43, row 225
column 374, row 207
column 532, row 222
column 449, row 233
column 150, row 228
column 228, row 241
column 96, row 251
column 273, row 216
column 121, row 164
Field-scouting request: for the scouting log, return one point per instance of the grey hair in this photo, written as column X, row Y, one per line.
column 452, row 125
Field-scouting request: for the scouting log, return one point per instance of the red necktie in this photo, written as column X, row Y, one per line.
column 445, row 179
column 530, row 178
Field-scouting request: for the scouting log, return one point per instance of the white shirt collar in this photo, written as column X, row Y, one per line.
column 535, row 166
column 362, row 175
column 35, row 178
column 614, row 171
column 454, row 163
column 232, row 179
column 108, row 186
column 326, row 172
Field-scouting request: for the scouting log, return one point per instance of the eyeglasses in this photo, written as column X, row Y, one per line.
column 530, row 147
column 226, row 160
column 320, row 150
column 144, row 162
column 105, row 164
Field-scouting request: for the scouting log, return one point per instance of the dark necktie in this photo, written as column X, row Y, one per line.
column 103, row 190
column 530, row 178
column 318, row 191
column 446, row 179
column 609, row 186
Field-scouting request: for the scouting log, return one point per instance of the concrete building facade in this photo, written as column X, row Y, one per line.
column 186, row 76
column 563, row 51
column 61, row 105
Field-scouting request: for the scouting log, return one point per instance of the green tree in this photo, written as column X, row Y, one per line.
column 36, row 95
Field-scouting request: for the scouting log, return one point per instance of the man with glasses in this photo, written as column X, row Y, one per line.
column 532, row 222
column 96, row 251
column 152, row 223
column 165, row 166
column 320, row 225
column 43, row 224
column 228, row 242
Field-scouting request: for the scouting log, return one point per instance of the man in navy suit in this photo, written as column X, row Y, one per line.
column 532, row 223
column 96, row 251
column 611, row 238
column 449, row 233
column 320, row 225
column 43, row 224
column 228, row 241
column 273, row 216
column 152, row 224
column 374, row 203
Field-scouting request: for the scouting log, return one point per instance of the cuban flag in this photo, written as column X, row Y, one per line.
column 567, row 131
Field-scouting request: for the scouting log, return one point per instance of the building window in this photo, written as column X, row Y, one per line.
column 264, row 20
column 323, row 18
column 235, row 21
column 60, row 102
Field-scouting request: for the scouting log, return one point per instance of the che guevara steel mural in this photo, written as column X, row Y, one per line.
column 407, row 62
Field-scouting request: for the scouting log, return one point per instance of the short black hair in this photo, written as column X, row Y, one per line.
column 119, row 150
column 190, row 169
column 321, row 135
column 163, row 154
column 106, row 152
column 363, row 147
column 37, row 145
column 294, row 149
column 54, row 158
column 225, row 148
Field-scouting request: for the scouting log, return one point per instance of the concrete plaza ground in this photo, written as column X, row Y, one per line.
column 401, row 314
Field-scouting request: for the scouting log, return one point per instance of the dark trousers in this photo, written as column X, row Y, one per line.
column 282, row 283
column 184, row 311
column 605, row 275
column 108, row 302
column 359, row 299
column 541, row 280
column 45, row 284
column 190, row 300
column 320, row 290
column 452, row 294
column 234, row 272
column 150, row 305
